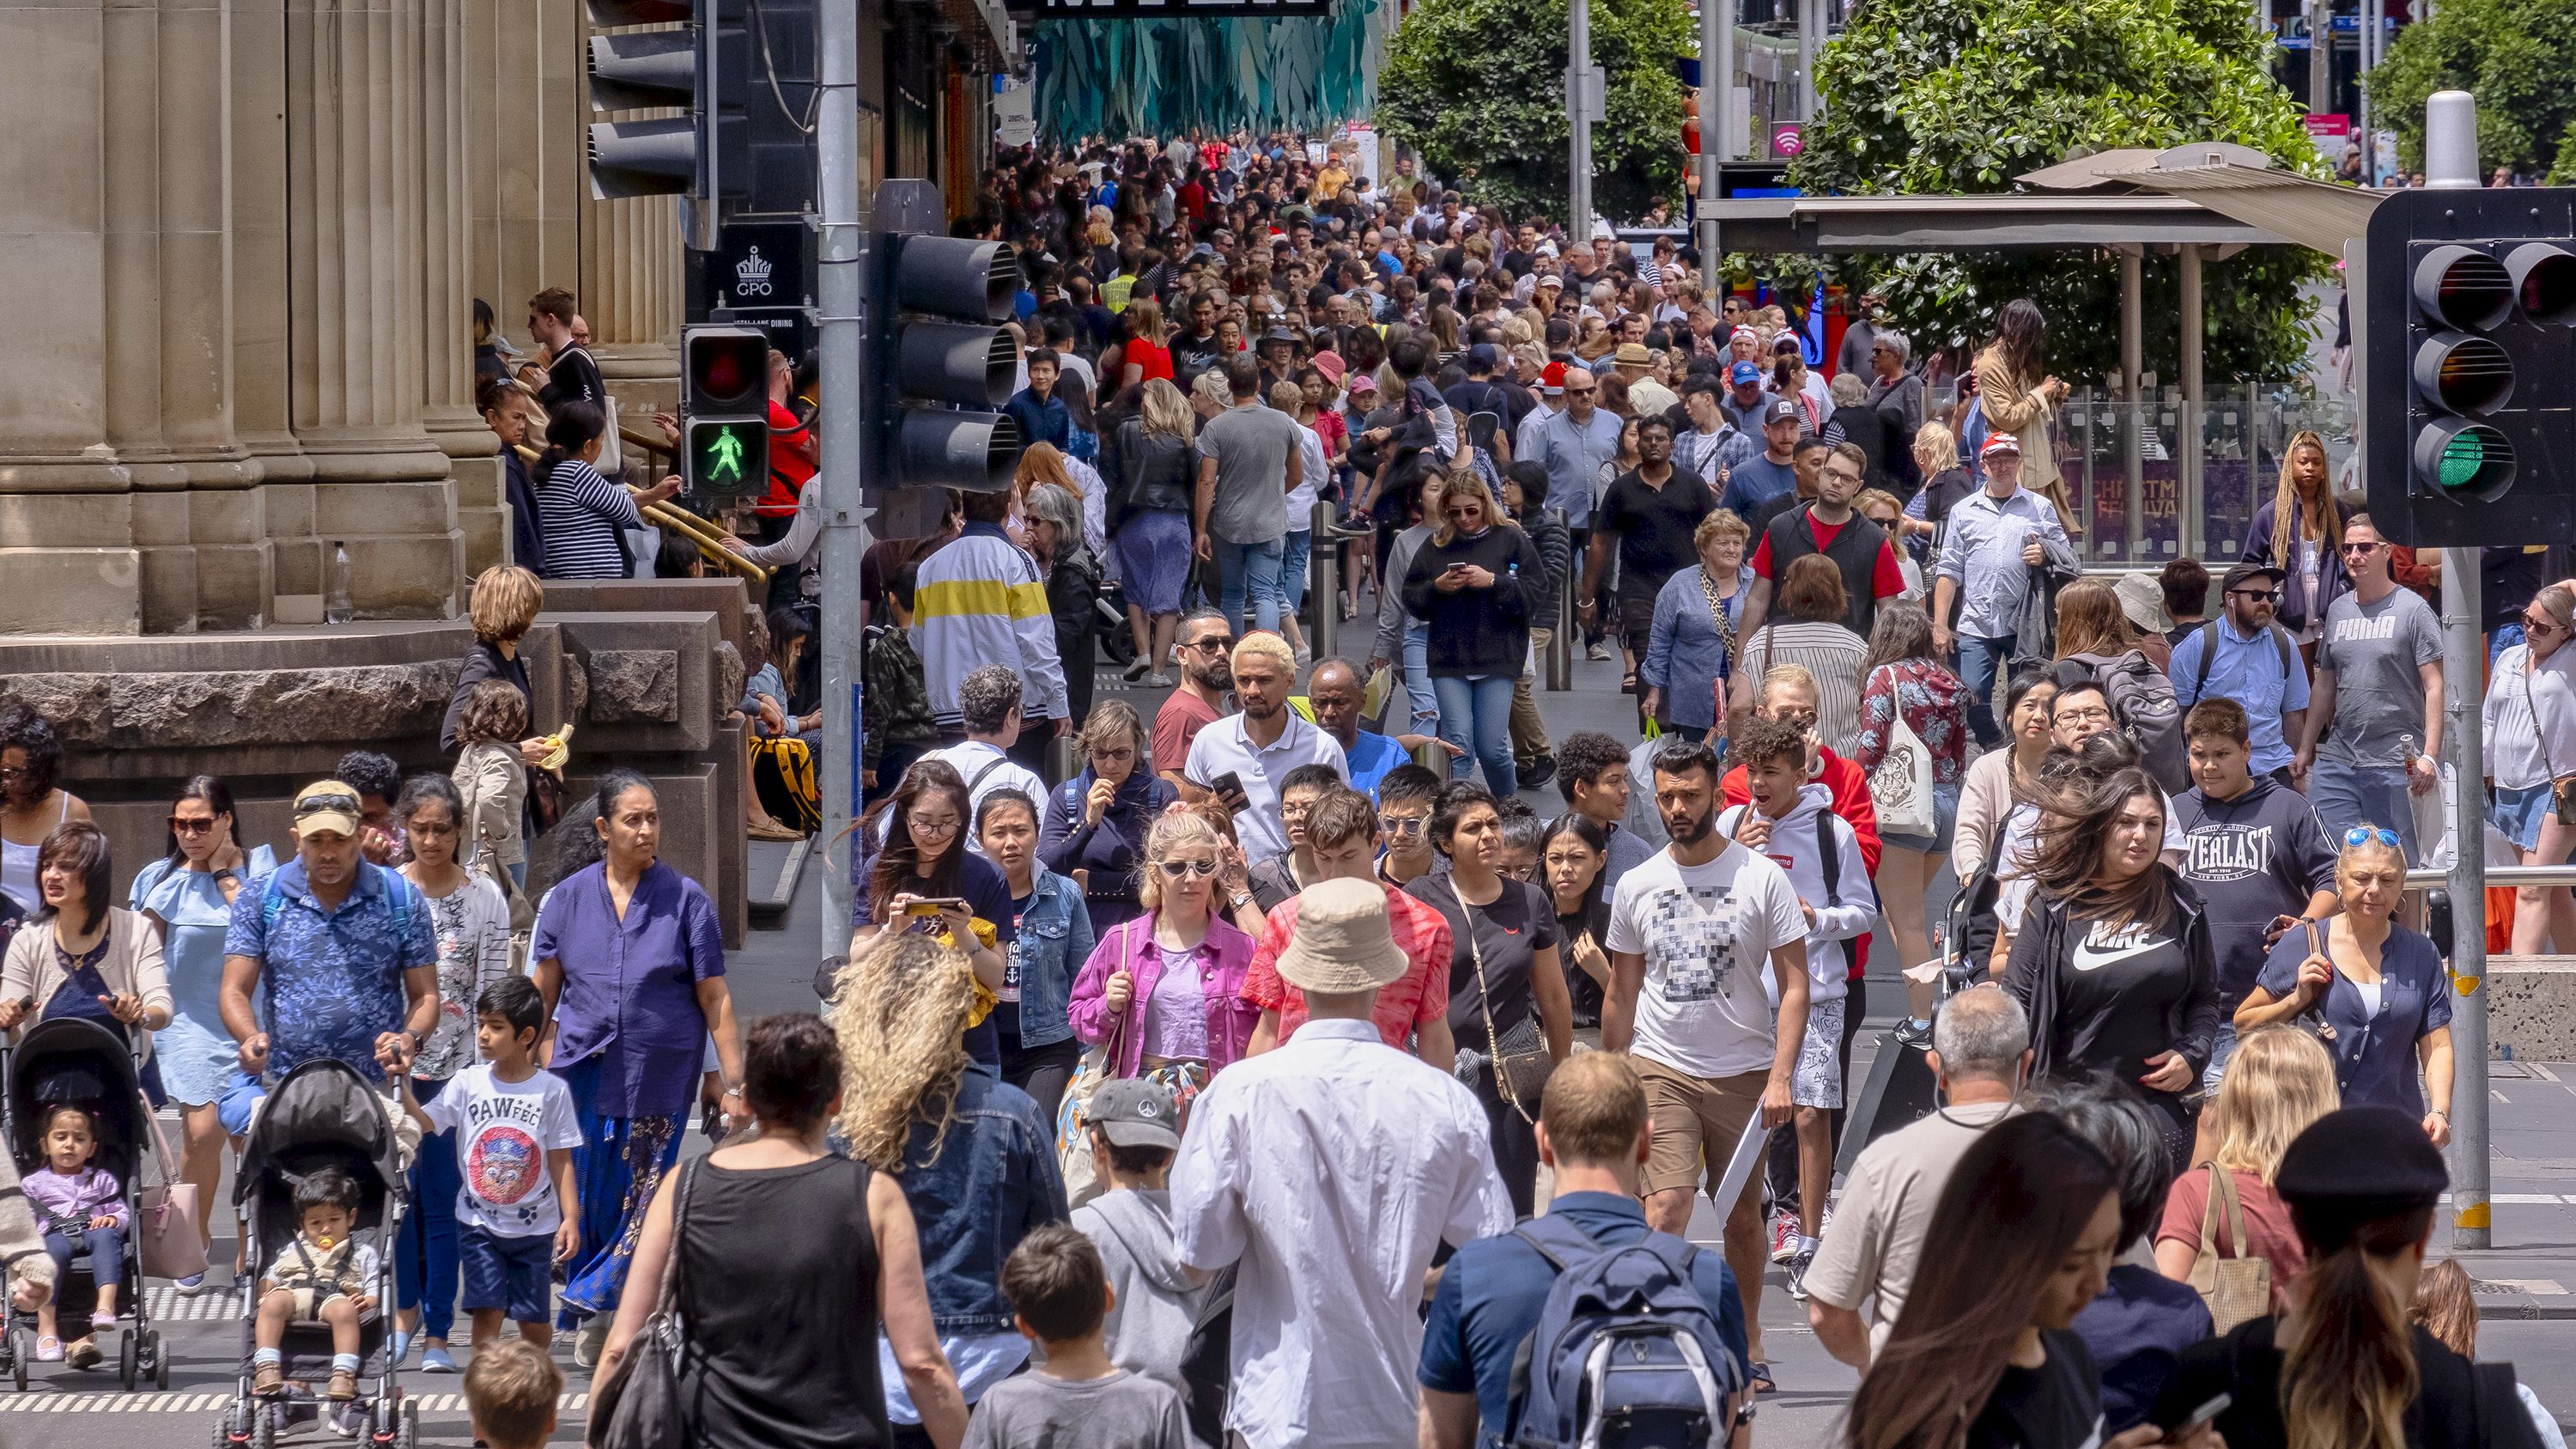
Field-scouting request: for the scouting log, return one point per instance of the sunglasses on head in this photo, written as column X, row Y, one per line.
column 2364, row 834
column 320, row 804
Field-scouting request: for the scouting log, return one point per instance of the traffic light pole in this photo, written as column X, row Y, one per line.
column 843, row 356
column 1578, row 111
column 2451, row 164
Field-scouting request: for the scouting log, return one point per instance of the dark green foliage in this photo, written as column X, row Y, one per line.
column 2516, row 56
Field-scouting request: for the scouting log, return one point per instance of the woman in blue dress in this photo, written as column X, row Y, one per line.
column 189, row 894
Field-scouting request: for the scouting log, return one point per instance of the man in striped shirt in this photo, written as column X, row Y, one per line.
column 981, row 600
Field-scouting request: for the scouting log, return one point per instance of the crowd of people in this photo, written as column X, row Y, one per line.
column 1266, row 1078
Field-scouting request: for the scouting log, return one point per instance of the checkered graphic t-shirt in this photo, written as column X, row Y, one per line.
column 1707, row 933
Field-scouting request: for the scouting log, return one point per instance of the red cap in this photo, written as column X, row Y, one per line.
column 1551, row 378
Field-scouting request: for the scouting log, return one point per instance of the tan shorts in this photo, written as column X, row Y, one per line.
column 1697, row 1121
column 306, row 1303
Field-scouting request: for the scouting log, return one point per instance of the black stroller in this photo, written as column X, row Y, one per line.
column 320, row 1115
column 75, row 1061
column 1901, row 1090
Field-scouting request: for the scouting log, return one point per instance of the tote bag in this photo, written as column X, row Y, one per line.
column 1901, row 786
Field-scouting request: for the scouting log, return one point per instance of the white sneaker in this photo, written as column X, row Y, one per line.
column 589, row 1340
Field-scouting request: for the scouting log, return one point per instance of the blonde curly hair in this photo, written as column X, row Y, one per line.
column 900, row 1014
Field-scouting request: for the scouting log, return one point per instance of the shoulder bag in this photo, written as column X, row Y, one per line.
column 2562, row 792
column 165, row 1216
column 2313, row 1020
column 1072, row 1132
column 1717, row 615
column 642, row 1406
column 1518, row 1057
column 2237, row 1286
column 1901, row 786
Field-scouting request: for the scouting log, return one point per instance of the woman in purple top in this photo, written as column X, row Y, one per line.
column 630, row 959
column 1168, row 985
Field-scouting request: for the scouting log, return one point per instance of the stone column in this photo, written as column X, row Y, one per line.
column 262, row 405
column 447, row 333
column 354, row 275
column 631, row 294
column 525, row 169
column 66, row 539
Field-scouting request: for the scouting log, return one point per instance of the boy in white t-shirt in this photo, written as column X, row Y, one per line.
column 1692, row 930
column 517, row 1213
column 1791, row 823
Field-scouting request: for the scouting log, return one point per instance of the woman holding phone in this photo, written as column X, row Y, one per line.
column 924, row 878
column 1469, row 583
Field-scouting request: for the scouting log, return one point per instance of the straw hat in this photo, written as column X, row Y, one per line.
column 1343, row 942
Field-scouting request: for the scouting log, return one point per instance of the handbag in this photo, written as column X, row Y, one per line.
column 2562, row 792
column 166, row 1216
column 1072, row 1136
column 1519, row 1057
column 1901, row 786
column 2313, row 1020
column 641, row 1405
column 2236, row 1286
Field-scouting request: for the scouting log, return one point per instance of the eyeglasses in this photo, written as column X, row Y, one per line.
column 2260, row 596
column 14, row 772
column 191, row 827
column 1400, row 824
column 947, row 826
column 2364, row 834
column 1581, row 391
column 2095, row 715
column 1175, row 869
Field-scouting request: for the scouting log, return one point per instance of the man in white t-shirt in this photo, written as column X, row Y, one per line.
column 1691, row 931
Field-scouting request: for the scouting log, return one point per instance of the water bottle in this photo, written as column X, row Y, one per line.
column 335, row 603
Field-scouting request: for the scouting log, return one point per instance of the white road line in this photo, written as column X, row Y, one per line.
column 199, row 1403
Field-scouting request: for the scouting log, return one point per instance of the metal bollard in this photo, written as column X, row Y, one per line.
column 1560, row 645
column 1324, row 583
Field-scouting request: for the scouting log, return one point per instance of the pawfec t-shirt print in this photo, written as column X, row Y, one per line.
column 503, row 1132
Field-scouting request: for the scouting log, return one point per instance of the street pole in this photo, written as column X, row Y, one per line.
column 1716, row 98
column 1578, row 114
column 2451, row 164
column 843, row 356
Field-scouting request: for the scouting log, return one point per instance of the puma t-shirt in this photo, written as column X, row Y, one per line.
column 2121, row 986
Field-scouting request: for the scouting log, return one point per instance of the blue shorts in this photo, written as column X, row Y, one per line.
column 1945, row 821
column 2221, row 1048
column 2518, row 813
column 515, row 1275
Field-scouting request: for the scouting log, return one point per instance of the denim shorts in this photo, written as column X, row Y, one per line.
column 1945, row 824
column 515, row 1275
column 2518, row 812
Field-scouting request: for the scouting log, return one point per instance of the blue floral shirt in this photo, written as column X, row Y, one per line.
column 334, row 977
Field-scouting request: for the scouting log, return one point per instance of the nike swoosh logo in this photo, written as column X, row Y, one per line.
column 2088, row 959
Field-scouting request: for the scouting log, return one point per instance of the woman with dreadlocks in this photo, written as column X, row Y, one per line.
column 976, row 1163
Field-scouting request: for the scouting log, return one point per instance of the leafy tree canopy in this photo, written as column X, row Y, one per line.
column 1476, row 86
column 1961, row 96
column 2516, row 56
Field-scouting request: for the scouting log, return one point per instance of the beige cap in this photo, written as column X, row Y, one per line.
column 1343, row 943
column 326, row 805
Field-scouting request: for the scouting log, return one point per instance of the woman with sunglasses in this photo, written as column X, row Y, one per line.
column 1165, row 989
column 2530, row 724
column 2378, row 986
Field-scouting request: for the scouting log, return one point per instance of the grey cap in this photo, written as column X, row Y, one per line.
column 1135, row 1112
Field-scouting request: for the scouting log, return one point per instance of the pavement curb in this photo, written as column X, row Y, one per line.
column 2522, row 1307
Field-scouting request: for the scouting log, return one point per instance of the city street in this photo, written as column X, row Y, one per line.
column 2527, row 1284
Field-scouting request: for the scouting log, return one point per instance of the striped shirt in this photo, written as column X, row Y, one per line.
column 581, row 513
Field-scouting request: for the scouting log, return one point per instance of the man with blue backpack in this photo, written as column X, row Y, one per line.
column 1521, row 1322
column 345, row 948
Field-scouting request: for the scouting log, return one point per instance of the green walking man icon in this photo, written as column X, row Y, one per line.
column 725, row 457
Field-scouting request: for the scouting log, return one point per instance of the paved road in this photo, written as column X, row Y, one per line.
column 2531, row 1277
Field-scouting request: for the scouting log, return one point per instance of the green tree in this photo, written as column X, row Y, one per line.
column 1477, row 87
column 1962, row 96
column 2515, row 56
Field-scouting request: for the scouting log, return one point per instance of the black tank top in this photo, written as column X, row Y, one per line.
column 784, row 1324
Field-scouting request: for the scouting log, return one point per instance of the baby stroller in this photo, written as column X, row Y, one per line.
column 1901, row 1089
column 320, row 1115
column 75, row 1061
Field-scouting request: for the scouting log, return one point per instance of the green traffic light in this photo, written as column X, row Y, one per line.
column 2464, row 457
column 724, row 457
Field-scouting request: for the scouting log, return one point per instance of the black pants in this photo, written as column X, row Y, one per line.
column 1041, row 1071
column 1515, row 1143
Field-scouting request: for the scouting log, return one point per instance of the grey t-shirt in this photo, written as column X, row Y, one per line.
column 2374, row 651
column 1122, row 1411
column 1251, row 447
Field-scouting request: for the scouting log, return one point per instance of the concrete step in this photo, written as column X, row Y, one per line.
column 770, row 874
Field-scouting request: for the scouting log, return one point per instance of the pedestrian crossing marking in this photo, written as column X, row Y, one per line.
column 430, row 1405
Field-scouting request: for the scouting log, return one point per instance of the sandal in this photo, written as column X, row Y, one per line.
column 344, row 1387
column 268, row 1381
column 1760, row 1380
column 49, row 1349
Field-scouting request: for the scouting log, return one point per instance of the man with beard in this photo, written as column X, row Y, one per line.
column 1243, row 758
column 1205, row 652
column 1690, row 932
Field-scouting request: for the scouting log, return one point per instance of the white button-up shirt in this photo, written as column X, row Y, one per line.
column 1331, row 1168
column 1981, row 546
column 1224, row 747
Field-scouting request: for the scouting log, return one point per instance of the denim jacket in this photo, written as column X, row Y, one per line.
column 1054, row 940
column 1225, row 958
column 975, row 1190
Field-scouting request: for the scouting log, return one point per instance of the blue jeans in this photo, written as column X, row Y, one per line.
column 1296, row 551
column 425, row 1261
column 1476, row 715
column 2345, row 796
column 106, row 1249
column 1253, row 568
column 1417, row 681
column 1979, row 661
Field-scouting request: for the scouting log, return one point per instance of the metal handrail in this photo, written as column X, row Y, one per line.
column 2425, row 877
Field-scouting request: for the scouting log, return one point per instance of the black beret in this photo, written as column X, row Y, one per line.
column 2363, row 1162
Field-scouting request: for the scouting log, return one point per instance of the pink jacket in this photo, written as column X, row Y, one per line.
column 1224, row 958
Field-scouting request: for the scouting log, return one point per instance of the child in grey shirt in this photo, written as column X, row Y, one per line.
column 1076, row 1398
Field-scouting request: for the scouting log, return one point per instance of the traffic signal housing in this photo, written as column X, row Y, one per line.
column 724, row 410
column 941, row 365
column 703, row 153
column 2468, row 318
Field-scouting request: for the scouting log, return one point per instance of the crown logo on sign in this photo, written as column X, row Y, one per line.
column 751, row 275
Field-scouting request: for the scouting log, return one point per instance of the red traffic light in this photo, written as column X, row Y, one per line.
column 727, row 370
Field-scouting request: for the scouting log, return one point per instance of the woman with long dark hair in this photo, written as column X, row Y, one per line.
column 2021, row 397
column 1470, row 584
column 917, row 878
column 1984, row 1353
column 2001, row 781
column 1903, row 681
column 584, row 514
column 2301, row 534
column 2114, row 961
column 31, row 806
column 1571, row 856
column 2344, row 1368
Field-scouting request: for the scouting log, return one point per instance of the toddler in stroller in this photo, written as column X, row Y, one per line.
column 323, row 1276
column 80, row 1208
